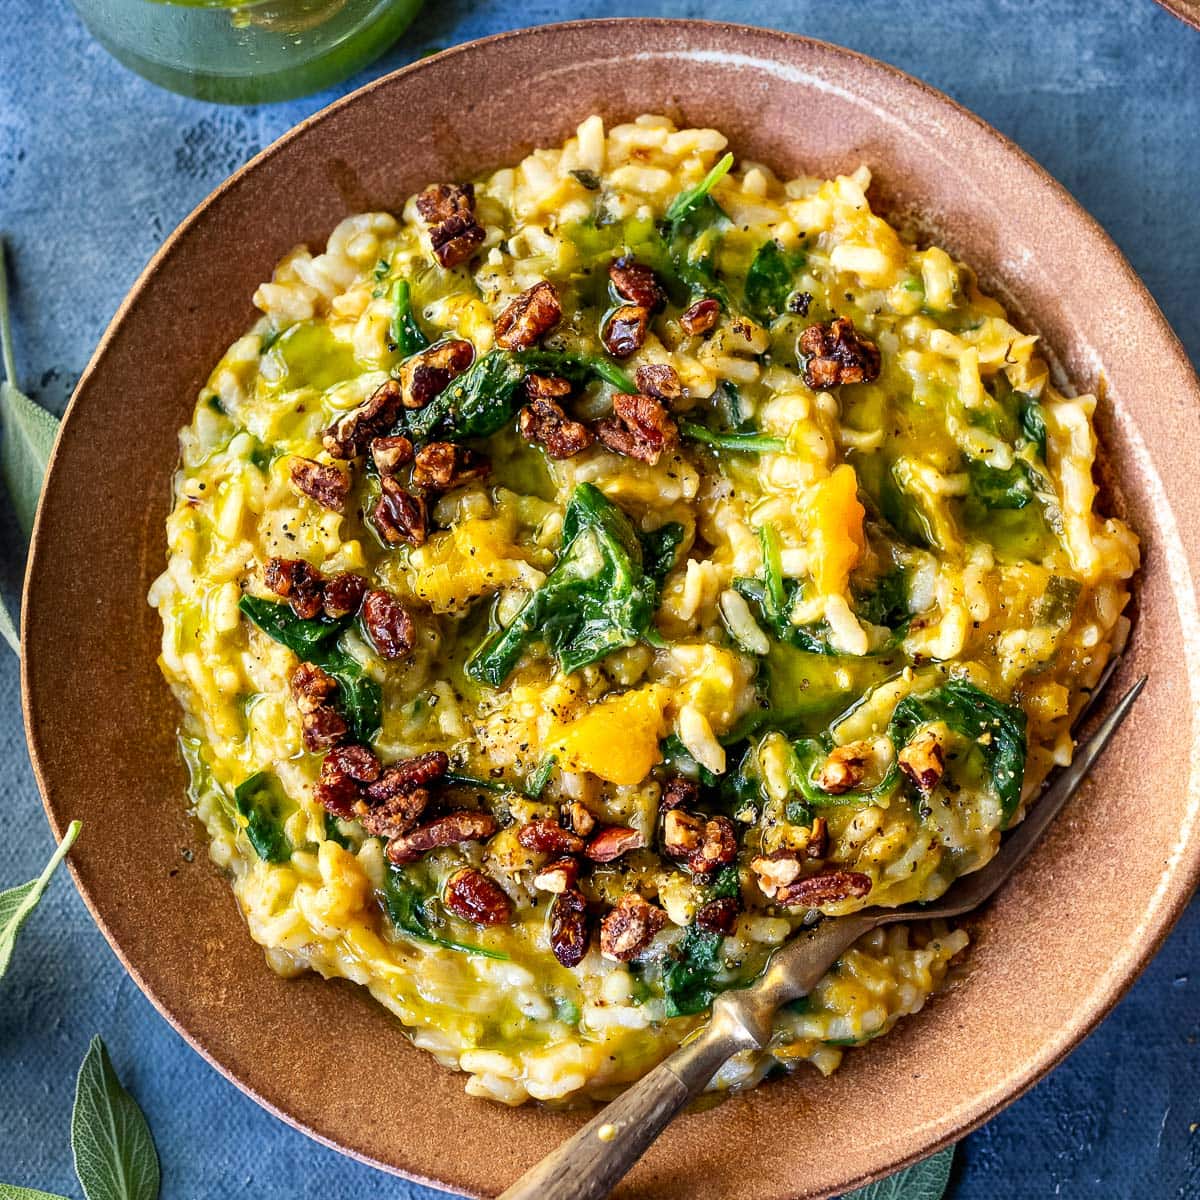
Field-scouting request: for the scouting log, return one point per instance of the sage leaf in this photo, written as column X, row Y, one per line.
column 926, row 1180
column 115, row 1157
column 10, row 1192
column 17, row 903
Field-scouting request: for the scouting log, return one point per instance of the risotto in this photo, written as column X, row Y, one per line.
column 583, row 578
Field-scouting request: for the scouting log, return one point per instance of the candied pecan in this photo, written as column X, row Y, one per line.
column 311, row 687
column 459, row 826
column 407, row 775
column 449, row 211
column 328, row 486
column 557, row 876
column 717, row 916
column 323, row 727
column 923, row 760
column 613, row 841
column 443, row 466
column 298, row 582
column 569, row 932
column 817, row 845
column 636, row 283
column 629, row 927
column 395, row 816
column 343, row 594
column 337, row 788
column 391, row 453
column 837, row 353
column 428, row 373
column 544, row 421
column 625, row 330
column 678, row 791
column 775, row 871
column 827, row 888
column 527, row 318
column 700, row 317
column 470, row 894
column 844, row 769
column 717, row 848
column 548, row 837
column 350, row 435
column 355, row 762
column 682, row 833
column 388, row 624
column 580, row 819
column 546, row 387
column 399, row 516
column 640, row 428
column 659, row 380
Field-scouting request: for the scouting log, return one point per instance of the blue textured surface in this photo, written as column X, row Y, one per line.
column 96, row 167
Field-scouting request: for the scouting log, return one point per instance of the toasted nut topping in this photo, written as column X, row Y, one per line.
column 442, row 466
column 659, row 380
column 312, row 689
column 625, row 331
column 682, row 833
column 827, row 888
column 428, row 373
column 297, row 582
column 328, row 486
column 677, row 792
column 399, row 516
column 612, row 842
column 700, row 317
column 923, row 760
column 717, row 848
column 569, row 932
column 844, row 769
column 544, row 422
column 547, row 387
column 775, row 871
column 344, row 594
column 394, row 816
column 350, row 435
column 557, row 876
column 449, row 212
column 580, row 819
column 837, row 353
column 639, row 428
column 460, row 826
column 818, row 839
column 407, row 775
column 388, row 624
column 343, row 770
column 629, row 927
column 527, row 318
column 548, row 837
column 718, row 916
column 470, row 894
column 636, row 283
column 357, row 762
column 391, row 453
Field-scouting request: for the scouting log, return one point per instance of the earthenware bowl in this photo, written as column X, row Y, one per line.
column 1048, row 959
column 1185, row 10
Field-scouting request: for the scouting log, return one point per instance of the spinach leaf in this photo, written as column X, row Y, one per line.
column 17, row 903
column 1033, row 421
column 887, row 602
column 693, row 226
column 264, row 806
column 997, row 729
column 689, row 983
column 597, row 599
column 404, row 332
column 660, row 548
column 334, row 834
column 769, row 281
column 578, row 368
column 405, row 901
column 750, row 443
column 279, row 621
column 586, row 179
column 991, row 488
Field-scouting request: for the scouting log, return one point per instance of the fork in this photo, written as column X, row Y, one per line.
column 591, row 1163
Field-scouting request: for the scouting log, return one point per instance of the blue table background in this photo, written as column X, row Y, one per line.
column 97, row 166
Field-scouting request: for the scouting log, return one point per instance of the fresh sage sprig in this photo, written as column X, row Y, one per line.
column 17, row 903
column 9, row 1192
column 926, row 1180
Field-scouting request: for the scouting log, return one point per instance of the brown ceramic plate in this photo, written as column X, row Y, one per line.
column 1049, row 957
column 1185, row 10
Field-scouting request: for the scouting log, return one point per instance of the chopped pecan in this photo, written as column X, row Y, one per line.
column 395, row 816
column 659, row 380
column 613, row 841
column 677, row 792
column 428, row 373
column 775, row 871
column 323, row 727
column 399, row 516
column 625, row 330
column 549, row 837
column 569, row 932
column 344, row 594
column 837, row 353
column 388, row 624
column 407, row 775
column 328, row 486
column 355, row 762
column 682, row 833
column 544, row 421
column 470, row 894
column 338, row 785
column 717, row 848
column 817, row 845
column 312, row 689
column 557, row 876
column 391, row 453
column 639, row 428
column 580, row 819
column 844, row 769
column 443, row 466
column 717, row 916
column 629, row 927
column 700, row 317
column 547, row 387
column 636, row 283
column 299, row 583
column 455, row 827
column 350, row 435
column 829, row 887
column 923, row 760
column 449, row 211
column 527, row 318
